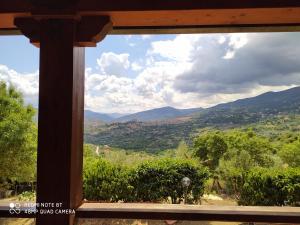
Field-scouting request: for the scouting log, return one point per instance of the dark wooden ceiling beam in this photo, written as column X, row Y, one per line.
column 150, row 5
column 12, row 6
column 128, row 15
column 89, row 30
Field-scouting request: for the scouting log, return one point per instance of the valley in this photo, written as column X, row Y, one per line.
column 168, row 126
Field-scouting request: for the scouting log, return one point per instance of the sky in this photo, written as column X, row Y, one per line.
column 131, row 73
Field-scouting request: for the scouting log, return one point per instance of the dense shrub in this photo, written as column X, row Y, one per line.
column 231, row 154
column 27, row 196
column 271, row 187
column 155, row 180
column 158, row 180
column 104, row 181
column 290, row 153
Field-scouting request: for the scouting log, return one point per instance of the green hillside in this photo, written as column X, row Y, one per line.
column 259, row 111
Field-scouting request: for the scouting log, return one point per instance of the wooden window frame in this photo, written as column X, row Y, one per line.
column 176, row 212
column 86, row 22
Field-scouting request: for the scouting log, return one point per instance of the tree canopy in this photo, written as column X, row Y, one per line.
column 18, row 136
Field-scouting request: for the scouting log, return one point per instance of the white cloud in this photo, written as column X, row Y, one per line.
column 26, row 83
column 146, row 36
column 229, row 55
column 222, row 39
column 128, row 37
column 114, row 64
column 203, row 70
column 179, row 49
column 243, row 64
column 135, row 66
column 186, row 71
column 236, row 41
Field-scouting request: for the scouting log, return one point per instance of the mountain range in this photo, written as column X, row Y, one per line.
column 269, row 101
column 157, row 114
column 164, row 128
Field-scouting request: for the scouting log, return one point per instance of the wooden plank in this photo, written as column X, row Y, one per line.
column 8, row 6
column 220, row 22
column 189, row 212
column 88, row 30
column 60, row 127
column 175, row 13
column 187, row 29
column 10, row 31
column 204, row 17
column 204, row 29
column 178, row 212
column 147, row 5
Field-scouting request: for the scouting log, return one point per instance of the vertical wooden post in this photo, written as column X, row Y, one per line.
column 60, row 128
column 61, row 105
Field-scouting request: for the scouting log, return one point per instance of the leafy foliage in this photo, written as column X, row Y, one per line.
column 254, row 152
column 152, row 181
column 161, row 135
column 104, row 181
column 290, row 153
column 27, row 196
column 231, row 154
column 271, row 187
column 160, row 179
column 18, row 136
column 209, row 148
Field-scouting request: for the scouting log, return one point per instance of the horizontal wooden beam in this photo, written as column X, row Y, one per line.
column 144, row 5
column 156, row 15
column 176, row 212
column 89, row 29
column 187, row 29
column 189, row 212
column 204, row 29
column 12, row 6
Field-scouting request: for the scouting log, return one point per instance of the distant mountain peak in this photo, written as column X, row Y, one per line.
column 157, row 114
column 270, row 99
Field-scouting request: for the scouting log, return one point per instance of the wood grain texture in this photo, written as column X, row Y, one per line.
column 88, row 30
column 142, row 5
column 128, row 14
column 181, row 212
column 189, row 212
column 60, row 127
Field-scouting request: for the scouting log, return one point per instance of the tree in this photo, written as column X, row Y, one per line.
column 18, row 136
column 209, row 148
column 290, row 153
column 182, row 151
column 246, row 150
column 249, row 148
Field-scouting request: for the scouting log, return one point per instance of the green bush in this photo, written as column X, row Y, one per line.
column 271, row 187
column 151, row 181
column 290, row 153
column 104, row 181
column 27, row 196
column 158, row 180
